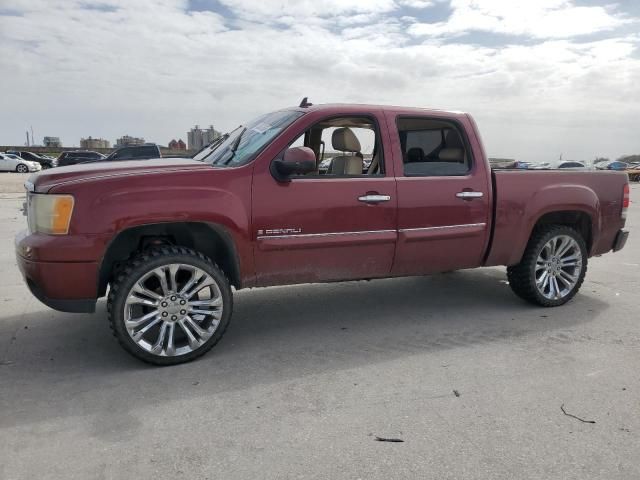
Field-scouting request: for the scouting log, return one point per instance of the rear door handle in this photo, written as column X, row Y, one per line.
column 374, row 198
column 469, row 195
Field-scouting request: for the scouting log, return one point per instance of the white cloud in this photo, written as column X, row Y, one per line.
column 540, row 19
column 305, row 9
column 416, row 3
column 154, row 69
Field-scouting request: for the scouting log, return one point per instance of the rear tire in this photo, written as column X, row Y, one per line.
column 169, row 305
column 552, row 268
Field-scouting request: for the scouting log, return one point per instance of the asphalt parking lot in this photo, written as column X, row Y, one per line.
column 468, row 376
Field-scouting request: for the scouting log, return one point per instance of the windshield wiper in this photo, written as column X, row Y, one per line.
column 211, row 147
column 234, row 147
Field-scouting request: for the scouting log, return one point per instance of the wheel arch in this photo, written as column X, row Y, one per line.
column 582, row 220
column 579, row 220
column 210, row 239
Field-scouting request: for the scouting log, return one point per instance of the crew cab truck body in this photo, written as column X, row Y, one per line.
column 167, row 238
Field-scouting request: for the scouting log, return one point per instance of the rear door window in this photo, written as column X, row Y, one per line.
column 432, row 148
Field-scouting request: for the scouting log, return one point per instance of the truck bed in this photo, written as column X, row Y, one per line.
column 522, row 197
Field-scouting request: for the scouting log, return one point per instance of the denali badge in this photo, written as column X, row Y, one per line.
column 280, row 231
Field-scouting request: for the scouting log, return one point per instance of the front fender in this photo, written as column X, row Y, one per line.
column 108, row 206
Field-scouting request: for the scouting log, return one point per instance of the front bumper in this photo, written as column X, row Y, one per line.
column 64, row 286
column 620, row 240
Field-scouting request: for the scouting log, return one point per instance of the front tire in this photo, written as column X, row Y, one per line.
column 169, row 305
column 552, row 268
column 22, row 168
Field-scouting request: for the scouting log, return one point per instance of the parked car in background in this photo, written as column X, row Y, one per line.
column 34, row 157
column 523, row 165
column 11, row 155
column 541, row 166
column 13, row 163
column 614, row 165
column 570, row 164
column 325, row 164
column 168, row 238
column 138, row 152
column 78, row 156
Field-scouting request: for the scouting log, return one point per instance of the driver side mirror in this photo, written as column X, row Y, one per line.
column 295, row 161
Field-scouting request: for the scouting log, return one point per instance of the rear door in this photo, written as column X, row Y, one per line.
column 444, row 191
column 324, row 227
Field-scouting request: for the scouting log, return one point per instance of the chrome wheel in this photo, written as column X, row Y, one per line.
column 173, row 310
column 558, row 267
column 22, row 168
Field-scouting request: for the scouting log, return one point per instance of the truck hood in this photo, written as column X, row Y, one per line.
column 46, row 179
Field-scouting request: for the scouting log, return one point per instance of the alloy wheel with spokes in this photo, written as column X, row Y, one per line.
column 552, row 268
column 174, row 309
column 558, row 267
column 22, row 168
column 170, row 305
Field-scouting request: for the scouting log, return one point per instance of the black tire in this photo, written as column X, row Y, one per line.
column 45, row 166
column 22, row 168
column 522, row 279
column 144, row 263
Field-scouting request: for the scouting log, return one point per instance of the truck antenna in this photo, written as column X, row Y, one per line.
column 305, row 103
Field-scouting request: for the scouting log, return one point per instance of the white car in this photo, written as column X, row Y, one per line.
column 13, row 163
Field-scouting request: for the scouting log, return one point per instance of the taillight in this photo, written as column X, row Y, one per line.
column 625, row 200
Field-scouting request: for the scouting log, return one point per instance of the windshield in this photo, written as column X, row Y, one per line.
column 242, row 144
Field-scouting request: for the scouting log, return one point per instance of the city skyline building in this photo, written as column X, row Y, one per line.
column 52, row 142
column 91, row 143
column 198, row 138
column 129, row 141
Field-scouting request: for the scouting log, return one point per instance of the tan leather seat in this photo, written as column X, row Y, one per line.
column 454, row 148
column 344, row 140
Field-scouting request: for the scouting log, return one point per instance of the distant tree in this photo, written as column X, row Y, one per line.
column 600, row 159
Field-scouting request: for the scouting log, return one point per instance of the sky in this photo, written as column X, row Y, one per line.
column 542, row 78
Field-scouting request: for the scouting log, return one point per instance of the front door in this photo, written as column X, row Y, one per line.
column 338, row 223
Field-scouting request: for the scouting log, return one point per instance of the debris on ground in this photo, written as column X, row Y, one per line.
column 6, row 362
column 456, row 393
column 573, row 416
column 392, row 440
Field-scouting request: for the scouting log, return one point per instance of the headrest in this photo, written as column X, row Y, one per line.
column 451, row 155
column 415, row 154
column 452, row 140
column 344, row 140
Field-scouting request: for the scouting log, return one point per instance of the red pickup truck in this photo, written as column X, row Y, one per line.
column 407, row 191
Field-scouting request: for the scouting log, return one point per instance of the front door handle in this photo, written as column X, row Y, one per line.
column 469, row 195
column 374, row 198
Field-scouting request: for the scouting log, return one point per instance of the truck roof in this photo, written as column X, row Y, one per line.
column 364, row 108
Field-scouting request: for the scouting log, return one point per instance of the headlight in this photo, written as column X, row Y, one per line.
column 49, row 213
